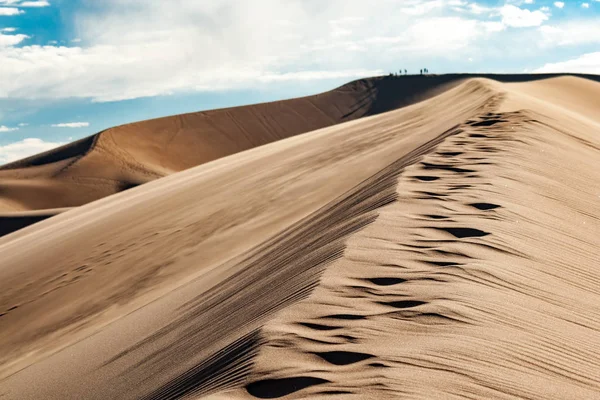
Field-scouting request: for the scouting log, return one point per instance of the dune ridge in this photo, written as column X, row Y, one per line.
column 127, row 252
column 444, row 250
column 123, row 157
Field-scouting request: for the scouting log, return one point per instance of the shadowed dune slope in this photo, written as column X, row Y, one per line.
column 126, row 156
column 448, row 249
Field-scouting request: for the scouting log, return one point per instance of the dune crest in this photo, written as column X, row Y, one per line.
column 447, row 249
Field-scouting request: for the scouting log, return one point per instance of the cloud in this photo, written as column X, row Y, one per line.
column 39, row 3
column 24, row 148
column 9, row 11
column 152, row 48
column 514, row 16
column 585, row 5
column 559, row 4
column 11, row 40
column 571, row 33
column 4, row 128
column 71, row 125
column 421, row 8
column 25, row 3
column 8, row 29
column 23, row 124
column 587, row 64
column 128, row 49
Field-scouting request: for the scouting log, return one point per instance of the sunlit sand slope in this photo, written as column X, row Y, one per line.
column 68, row 276
column 446, row 250
column 120, row 158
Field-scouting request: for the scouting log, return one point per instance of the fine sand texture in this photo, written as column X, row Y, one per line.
column 130, row 155
column 445, row 250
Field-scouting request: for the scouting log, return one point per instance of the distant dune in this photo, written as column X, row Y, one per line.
column 445, row 249
column 126, row 156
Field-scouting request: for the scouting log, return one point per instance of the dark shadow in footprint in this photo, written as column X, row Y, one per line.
column 488, row 122
column 347, row 338
column 275, row 388
column 334, row 392
column 443, row 263
column 484, row 206
column 386, row 281
column 343, row 357
column 435, row 216
column 450, row 153
column 427, row 178
column 318, row 327
column 462, row 233
column 443, row 167
column 404, row 303
column 345, row 316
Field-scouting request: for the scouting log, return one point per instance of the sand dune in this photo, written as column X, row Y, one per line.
column 126, row 156
column 448, row 249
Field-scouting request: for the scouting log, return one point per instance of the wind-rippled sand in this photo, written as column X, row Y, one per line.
column 446, row 250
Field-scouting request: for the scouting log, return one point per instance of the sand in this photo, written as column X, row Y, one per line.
column 127, row 156
column 447, row 249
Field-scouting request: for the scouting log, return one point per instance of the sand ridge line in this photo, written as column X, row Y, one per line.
column 412, row 306
column 292, row 261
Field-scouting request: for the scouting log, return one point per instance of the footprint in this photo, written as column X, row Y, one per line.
column 386, row 281
column 345, row 316
column 343, row 357
column 427, row 178
column 404, row 303
column 319, row 327
column 462, row 233
column 484, row 206
column 275, row 388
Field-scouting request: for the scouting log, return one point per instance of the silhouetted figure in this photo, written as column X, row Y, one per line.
column 421, row 72
column 405, row 72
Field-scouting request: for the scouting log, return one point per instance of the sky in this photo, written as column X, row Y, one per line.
column 71, row 68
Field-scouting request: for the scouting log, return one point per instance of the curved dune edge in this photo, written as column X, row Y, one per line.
column 478, row 281
column 129, row 252
column 475, row 276
column 127, row 156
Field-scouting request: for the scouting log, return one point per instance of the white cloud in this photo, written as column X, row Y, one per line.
column 25, row 3
column 24, row 148
column 8, row 29
column 585, row 5
column 585, row 64
column 8, row 11
column 154, row 48
column 71, row 125
column 23, row 124
column 529, row 1
column 38, row 3
column 571, row 33
column 11, row 40
column 139, row 48
column 420, row 8
column 559, row 4
column 514, row 16
column 4, row 128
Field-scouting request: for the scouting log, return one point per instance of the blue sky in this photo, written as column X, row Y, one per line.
column 70, row 68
